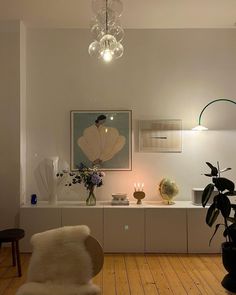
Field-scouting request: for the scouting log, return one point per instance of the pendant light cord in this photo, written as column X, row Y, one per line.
column 106, row 18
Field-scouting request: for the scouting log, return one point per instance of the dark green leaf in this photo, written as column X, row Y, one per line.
column 214, row 170
column 216, row 199
column 207, row 193
column 223, row 204
column 216, row 228
column 212, row 214
column 222, row 184
column 208, row 175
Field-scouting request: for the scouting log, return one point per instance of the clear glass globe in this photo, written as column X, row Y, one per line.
column 94, row 49
column 118, row 51
column 98, row 5
column 117, row 32
column 108, row 42
column 116, row 6
column 97, row 31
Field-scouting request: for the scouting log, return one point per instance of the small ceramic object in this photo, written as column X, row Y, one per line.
column 33, row 199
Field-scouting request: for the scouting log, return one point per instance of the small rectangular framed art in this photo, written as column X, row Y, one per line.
column 157, row 136
column 102, row 138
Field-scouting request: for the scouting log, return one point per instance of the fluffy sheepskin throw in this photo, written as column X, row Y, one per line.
column 60, row 263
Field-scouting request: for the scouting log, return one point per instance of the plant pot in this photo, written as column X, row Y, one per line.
column 229, row 262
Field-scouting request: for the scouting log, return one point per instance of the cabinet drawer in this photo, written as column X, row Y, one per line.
column 90, row 216
column 36, row 220
column 166, row 230
column 123, row 230
column 199, row 233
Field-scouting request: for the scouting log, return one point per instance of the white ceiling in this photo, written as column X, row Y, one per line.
column 137, row 13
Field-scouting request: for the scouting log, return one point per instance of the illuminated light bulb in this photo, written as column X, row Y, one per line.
column 107, row 55
column 108, row 43
column 199, row 128
column 112, row 118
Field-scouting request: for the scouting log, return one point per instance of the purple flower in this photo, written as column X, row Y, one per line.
column 95, row 179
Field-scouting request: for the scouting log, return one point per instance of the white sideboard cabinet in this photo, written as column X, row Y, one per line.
column 150, row 227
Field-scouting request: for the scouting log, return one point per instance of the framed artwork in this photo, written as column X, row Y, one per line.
column 157, row 136
column 101, row 138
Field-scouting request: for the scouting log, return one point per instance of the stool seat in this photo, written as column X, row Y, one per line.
column 13, row 235
column 10, row 235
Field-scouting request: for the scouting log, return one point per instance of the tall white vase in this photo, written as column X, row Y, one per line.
column 47, row 180
column 53, row 164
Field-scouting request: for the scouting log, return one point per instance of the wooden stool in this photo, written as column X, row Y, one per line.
column 13, row 236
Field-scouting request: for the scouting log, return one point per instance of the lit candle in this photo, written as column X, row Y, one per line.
column 135, row 187
column 142, row 186
column 138, row 186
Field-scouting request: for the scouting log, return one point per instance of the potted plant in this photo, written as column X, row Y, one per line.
column 221, row 206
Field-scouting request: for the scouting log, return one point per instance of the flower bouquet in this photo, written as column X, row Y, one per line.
column 90, row 177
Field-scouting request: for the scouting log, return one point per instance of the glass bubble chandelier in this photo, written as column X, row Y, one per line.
column 106, row 30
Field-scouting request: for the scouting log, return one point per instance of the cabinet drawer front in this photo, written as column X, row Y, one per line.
column 36, row 220
column 199, row 233
column 92, row 217
column 166, row 230
column 124, row 230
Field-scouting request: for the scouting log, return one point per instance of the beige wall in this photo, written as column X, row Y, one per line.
column 10, row 123
column 163, row 74
column 23, row 136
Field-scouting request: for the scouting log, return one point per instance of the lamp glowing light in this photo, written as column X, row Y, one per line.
column 107, row 55
column 200, row 128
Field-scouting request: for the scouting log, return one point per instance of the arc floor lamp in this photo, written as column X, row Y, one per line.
column 200, row 127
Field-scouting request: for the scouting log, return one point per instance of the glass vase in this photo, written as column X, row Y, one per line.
column 91, row 200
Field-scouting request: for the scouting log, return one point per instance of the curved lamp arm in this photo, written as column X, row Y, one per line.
column 200, row 127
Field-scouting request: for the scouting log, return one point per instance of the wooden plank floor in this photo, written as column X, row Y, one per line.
column 136, row 274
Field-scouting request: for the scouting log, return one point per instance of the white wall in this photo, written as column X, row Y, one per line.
column 10, row 123
column 23, row 137
column 163, row 74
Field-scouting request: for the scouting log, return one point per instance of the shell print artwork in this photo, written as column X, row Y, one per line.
column 101, row 143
